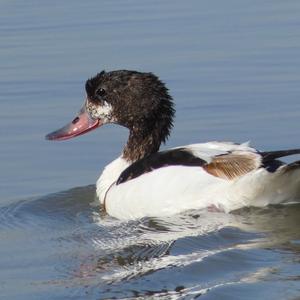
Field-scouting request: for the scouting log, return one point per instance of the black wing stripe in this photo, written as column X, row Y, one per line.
column 271, row 155
column 175, row 157
column 270, row 159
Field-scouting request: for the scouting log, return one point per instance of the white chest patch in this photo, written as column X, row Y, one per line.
column 103, row 112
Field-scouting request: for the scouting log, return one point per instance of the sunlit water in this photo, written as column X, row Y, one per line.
column 233, row 68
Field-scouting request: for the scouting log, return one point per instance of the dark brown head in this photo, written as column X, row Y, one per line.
column 138, row 101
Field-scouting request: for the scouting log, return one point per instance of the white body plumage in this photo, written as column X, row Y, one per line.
column 172, row 189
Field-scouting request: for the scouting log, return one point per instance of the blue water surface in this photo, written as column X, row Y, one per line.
column 233, row 69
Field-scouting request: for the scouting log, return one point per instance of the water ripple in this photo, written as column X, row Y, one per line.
column 75, row 245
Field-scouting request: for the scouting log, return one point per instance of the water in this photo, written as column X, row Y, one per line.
column 233, row 70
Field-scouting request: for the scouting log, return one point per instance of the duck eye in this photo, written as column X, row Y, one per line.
column 100, row 92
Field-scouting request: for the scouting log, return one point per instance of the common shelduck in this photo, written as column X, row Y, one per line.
column 144, row 181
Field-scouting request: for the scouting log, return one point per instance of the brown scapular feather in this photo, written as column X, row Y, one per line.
column 232, row 165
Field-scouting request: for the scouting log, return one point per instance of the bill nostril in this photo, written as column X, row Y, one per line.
column 75, row 120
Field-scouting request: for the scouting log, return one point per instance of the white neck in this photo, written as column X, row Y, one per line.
column 110, row 175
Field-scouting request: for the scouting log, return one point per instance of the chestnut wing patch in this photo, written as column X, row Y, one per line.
column 233, row 165
column 174, row 157
column 238, row 163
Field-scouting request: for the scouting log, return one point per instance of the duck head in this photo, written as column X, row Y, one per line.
column 138, row 101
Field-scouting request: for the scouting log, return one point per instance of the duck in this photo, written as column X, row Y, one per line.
column 146, row 182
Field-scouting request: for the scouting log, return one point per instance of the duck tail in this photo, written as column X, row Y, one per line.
column 292, row 167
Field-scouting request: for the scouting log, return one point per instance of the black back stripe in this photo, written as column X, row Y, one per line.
column 175, row 157
column 183, row 157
